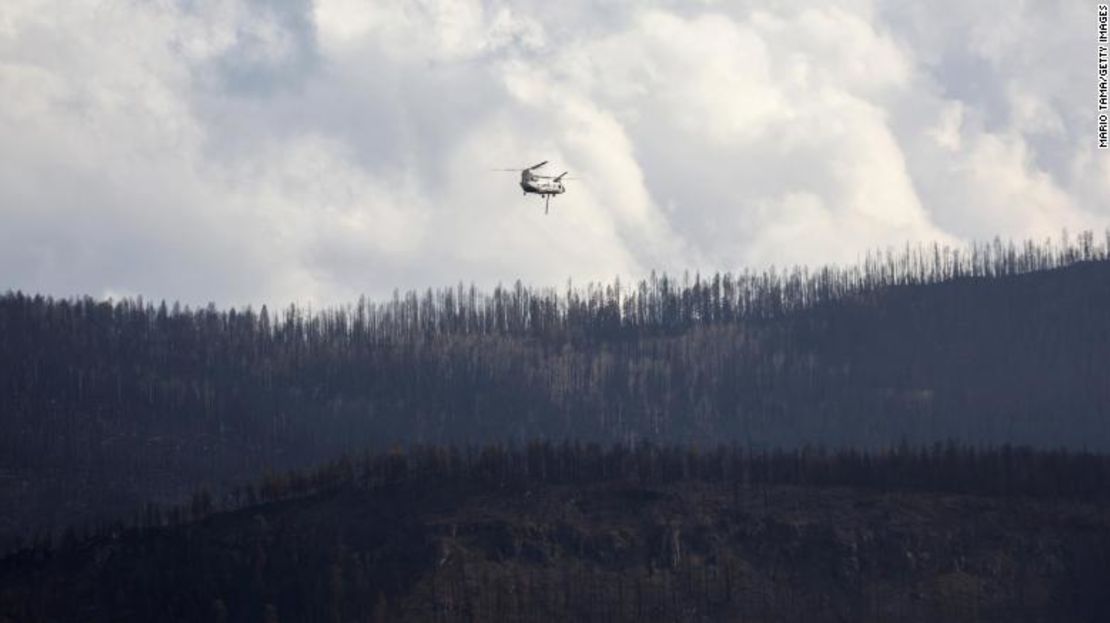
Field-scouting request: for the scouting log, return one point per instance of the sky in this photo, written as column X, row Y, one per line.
column 250, row 151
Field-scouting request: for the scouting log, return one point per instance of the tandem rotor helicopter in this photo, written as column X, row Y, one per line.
column 542, row 185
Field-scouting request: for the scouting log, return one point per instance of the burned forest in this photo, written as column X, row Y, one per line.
column 921, row 436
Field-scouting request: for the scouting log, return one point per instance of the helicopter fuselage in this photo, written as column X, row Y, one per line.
column 540, row 185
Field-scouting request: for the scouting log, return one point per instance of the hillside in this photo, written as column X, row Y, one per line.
column 575, row 533
column 106, row 406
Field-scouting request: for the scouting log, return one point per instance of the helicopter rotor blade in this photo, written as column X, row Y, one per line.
column 536, row 166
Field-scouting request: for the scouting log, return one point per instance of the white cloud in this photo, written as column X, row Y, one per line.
column 246, row 151
column 947, row 131
column 736, row 120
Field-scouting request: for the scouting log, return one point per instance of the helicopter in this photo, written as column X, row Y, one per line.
column 543, row 185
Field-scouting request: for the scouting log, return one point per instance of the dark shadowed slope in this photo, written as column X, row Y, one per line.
column 556, row 533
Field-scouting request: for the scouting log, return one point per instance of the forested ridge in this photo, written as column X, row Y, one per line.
column 572, row 531
column 108, row 404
